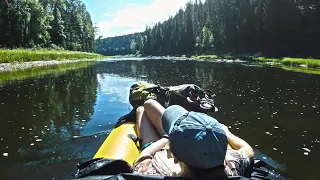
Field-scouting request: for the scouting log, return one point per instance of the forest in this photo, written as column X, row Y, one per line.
column 272, row 28
column 119, row 45
column 58, row 24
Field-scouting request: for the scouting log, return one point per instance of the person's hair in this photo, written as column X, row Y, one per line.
column 189, row 171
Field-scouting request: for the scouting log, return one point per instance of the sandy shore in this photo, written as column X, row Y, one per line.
column 25, row 65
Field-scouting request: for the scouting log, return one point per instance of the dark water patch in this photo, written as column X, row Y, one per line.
column 62, row 159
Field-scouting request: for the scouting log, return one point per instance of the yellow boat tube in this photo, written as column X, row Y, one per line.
column 119, row 146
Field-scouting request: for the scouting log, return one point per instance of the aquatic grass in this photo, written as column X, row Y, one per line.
column 27, row 55
column 301, row 61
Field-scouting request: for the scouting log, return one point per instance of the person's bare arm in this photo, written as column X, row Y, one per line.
column 238, row 143
column 150, row 150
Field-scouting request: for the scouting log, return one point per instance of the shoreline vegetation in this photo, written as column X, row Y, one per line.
column 302, row 65
column 288, row 61
column 21, row 74
column 27, row 58
column 303, row 62
column 27, row 55
column 235, row 31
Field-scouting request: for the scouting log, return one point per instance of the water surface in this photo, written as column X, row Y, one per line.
column 48, row 123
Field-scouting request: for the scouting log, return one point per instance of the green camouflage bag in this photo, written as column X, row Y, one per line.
column 140, row 92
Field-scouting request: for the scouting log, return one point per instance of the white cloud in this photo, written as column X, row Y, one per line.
column 108, row 15
column 133, row 18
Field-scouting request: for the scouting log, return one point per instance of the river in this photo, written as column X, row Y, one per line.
column 50, row 122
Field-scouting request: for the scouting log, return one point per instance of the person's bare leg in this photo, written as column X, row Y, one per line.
column 146, row 130
column 154, row 111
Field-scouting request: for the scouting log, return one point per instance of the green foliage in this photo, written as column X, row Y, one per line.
column 29, row 23
column 41, row 71
column 205, row 57
column 301, row 61
column 270, row 28
column 25, row 55
column 57, row 31
column 120, row 45
column 228, row 57
column 308, row 62
column 264, row 59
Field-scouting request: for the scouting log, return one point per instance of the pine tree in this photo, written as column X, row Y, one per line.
column 57, row 32
column 189, row 46
column 4, row 23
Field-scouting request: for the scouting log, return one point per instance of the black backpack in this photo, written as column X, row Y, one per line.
column 189, row 96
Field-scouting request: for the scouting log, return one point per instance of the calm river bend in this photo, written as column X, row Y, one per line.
column 49, row 123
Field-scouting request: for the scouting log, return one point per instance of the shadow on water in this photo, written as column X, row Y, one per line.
column 50, row 123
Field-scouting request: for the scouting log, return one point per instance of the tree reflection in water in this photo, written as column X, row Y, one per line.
column 39, row 112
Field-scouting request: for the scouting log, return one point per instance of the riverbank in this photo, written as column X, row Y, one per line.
column 4, row 67
column 38, row 71
column 26, row 58
column 303, row 65
column 288, row 61
column 28, row 55
column 302, row 62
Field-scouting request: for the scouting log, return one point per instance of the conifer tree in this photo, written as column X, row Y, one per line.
column 57, row 32
column 30, row 23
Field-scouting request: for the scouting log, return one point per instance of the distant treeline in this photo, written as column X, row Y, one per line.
column 267, row 27
column 119, row 45
column 46, row 23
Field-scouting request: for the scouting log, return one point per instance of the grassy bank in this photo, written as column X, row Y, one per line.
column 41, row 71
column 27, row 55
column 205, row 57
column 305, row 62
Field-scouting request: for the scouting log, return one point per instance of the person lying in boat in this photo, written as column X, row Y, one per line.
column 176, row 142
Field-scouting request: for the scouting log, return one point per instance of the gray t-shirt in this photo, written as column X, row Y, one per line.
column 162, row 163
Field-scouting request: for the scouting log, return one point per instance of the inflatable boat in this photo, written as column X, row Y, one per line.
column 116, row 155
column 120, row 144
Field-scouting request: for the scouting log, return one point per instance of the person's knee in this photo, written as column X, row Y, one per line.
column 152, row 107
column 149, row 103
column 140, row 109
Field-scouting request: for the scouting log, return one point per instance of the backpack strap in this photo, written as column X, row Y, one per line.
column 102, row 166
column 130, row 117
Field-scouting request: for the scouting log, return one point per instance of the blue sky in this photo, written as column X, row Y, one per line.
column 119, row 17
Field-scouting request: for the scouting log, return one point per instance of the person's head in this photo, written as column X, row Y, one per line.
column 196, row 139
